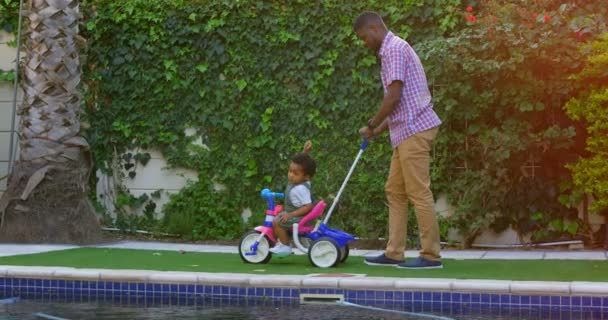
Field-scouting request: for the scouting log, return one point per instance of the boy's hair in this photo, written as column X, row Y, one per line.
column 307, row 163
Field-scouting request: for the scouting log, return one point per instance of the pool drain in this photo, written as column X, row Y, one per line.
column 312, row 298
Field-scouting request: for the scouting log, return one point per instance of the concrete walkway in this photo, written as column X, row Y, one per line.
column 537, row 254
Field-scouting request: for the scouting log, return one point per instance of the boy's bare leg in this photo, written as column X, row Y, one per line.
column 280, row 233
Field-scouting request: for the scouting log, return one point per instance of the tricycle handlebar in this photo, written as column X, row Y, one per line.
column 268, row 195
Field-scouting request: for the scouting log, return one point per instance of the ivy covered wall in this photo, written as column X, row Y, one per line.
column 255, row 79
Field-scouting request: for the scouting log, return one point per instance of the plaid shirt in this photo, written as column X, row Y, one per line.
column 414, row 113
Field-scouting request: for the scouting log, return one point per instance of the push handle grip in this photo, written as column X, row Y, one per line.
column 364, row 144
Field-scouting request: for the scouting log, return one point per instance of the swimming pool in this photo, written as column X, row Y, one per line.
column 138, row 294
column 237, row 309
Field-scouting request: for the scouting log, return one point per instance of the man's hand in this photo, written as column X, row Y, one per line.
column 366, row 132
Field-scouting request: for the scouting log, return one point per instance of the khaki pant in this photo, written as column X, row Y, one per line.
column 409, row 180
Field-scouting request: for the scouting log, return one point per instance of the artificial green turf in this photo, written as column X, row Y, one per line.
column 543, row 270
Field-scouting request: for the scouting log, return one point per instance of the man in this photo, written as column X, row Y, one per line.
column 407, row 112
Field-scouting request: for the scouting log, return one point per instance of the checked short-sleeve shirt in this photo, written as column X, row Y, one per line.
column 414, row 113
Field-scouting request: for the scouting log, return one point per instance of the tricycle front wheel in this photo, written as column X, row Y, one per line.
column 261, row 254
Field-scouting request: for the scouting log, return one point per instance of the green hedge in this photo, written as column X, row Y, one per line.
column 258, row 78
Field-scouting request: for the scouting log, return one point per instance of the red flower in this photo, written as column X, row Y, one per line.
column 470, row 18
column 547, row 18
column 469, row 9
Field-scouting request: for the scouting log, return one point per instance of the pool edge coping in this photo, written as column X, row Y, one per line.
column 358, row 282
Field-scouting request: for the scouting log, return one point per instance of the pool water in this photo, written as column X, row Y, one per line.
column 254, row 310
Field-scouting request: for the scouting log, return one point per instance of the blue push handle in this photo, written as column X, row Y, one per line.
column 267, row 194
column 364, row 144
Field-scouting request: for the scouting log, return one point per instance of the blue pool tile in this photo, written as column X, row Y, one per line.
column 556, row 301
column 370, row 295
column 397, row 296
column 475, row 298
column 598, row 313
column 545, row 300
column 505, row 299
column 259, row 292
column 379, row 295
column 427, row 297
column 268, row 292
column 408, row 296
column 436, row 296
column 586, row 301
column 495, row 298
column 208, row 289
column 141, row 287
column 465, row 297
column 436, row 307
column 417, row 296
column 596, row 301
column 389, row 296
column 534, row 300
column 485, row 298
column 446, row 297
column 164, row 287
column 575, row 301
column 525, row 300
column 427, row 306
column 277, row 292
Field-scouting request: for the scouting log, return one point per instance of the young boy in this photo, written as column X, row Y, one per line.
column 298, row 198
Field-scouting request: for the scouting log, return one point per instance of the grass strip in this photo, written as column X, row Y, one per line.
column 109, row 258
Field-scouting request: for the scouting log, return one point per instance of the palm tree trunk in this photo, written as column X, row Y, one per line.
column 47, row 195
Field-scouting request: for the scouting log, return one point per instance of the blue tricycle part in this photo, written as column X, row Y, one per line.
column 341, row 237
column 364, row 144
column 253, row 248
column 269, row 196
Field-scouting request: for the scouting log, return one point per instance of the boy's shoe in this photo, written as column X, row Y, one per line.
column 381, row 260
column 421, row 263
column 281, row 249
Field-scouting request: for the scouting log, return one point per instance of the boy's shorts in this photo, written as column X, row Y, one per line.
column 289, row 223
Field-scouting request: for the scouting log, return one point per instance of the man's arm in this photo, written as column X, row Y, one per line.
column 390, row 101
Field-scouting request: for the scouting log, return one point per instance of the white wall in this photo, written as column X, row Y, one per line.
column 7, row 62
column 153, row 176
